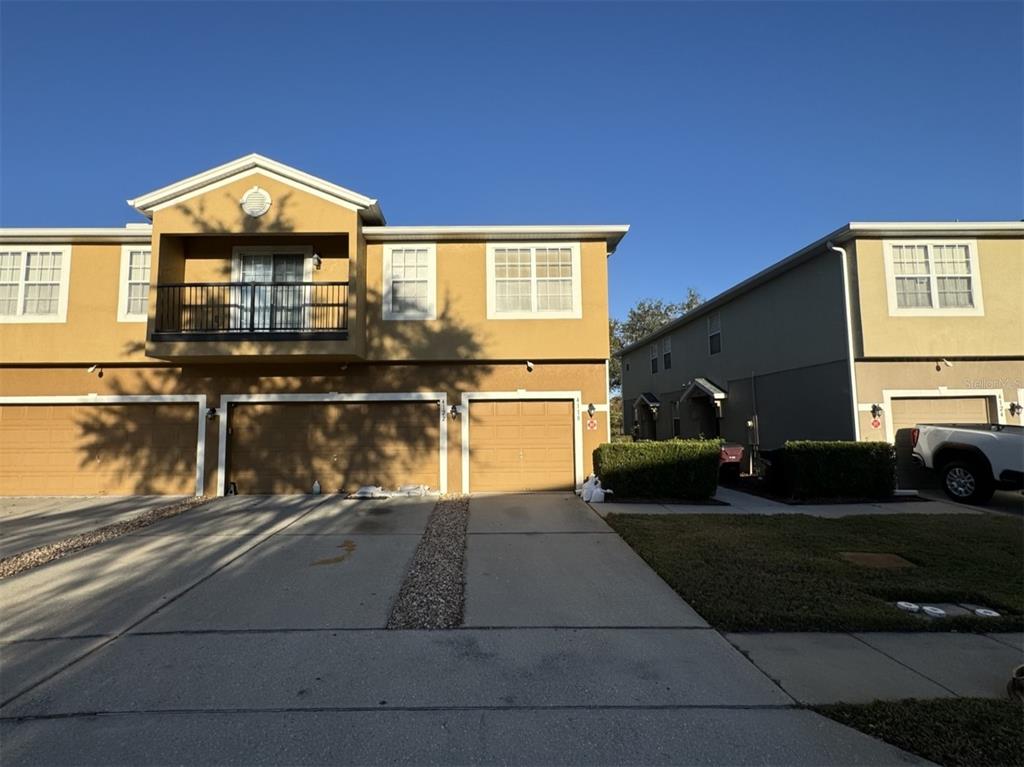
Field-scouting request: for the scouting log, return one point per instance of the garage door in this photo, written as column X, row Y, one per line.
column 517, row 445
column 284, row 448
column 906, row 413
column 98, row 449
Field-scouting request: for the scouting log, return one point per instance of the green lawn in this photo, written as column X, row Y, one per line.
column 784, row 573
column 961, row 732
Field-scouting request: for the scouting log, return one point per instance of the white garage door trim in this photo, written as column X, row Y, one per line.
column 132, row 399
column 232, row 399
column 577, row 436
column 888, row 395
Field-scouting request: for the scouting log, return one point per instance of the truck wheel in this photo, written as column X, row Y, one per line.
column 967, row 482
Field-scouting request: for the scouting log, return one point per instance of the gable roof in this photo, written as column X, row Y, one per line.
column 172, row 194
column 845, row 233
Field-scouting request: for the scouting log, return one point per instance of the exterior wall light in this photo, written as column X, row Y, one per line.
column 1015, row 408
column 876, row 411
column 317, row 261
column 211, row 413
column 591, row 409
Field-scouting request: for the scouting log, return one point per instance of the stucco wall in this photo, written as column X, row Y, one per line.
column 998, row 332
column 462, row 329
column 92, row 332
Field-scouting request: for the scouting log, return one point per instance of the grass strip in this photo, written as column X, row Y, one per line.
column 956, row 732
column 788, row 573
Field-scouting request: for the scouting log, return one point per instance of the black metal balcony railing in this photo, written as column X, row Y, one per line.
column 264, row 310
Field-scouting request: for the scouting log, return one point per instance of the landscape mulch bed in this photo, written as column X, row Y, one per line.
column 958, row 732
column 26, row 560
column 792, row 572
column 432, row 596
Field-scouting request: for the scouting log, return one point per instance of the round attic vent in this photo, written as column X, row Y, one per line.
column 256, row 202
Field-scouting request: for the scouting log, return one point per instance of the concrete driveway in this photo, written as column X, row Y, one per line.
column 27, row 522
column 250, row 631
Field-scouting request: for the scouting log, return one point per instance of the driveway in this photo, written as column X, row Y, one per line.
column 250, row 631
column 27, row 522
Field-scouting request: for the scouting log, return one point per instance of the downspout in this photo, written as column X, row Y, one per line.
column 849, row 337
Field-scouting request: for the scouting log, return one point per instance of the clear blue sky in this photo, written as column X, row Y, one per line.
column 727, row 134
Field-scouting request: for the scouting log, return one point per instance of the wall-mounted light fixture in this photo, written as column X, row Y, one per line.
column 1015, row 408
column 940, row 363
column 876, row 411
column 95, row 369
column 317, row 261
column 591, row 409
column 455, row 411
column 211, row 413
column 529, row 366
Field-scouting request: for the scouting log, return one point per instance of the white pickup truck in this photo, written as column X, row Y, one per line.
column 972, row 460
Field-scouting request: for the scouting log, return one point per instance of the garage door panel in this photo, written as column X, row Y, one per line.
column 519, row 445
column 284, row 447
column 908, row 412
column 98, row 449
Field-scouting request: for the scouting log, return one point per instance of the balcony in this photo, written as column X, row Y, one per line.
column 251, row 311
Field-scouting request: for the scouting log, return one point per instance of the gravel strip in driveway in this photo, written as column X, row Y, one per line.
column 40, row 555
column 433, row 592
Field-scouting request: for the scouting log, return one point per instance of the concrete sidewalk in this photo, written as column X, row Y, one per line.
column 746, row 503
column 859, row 668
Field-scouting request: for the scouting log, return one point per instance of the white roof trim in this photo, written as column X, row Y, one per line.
column 885, row 228
column 243, row 166
column 612, row 234
column 130, row 233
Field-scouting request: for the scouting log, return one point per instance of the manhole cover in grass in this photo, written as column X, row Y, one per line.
column 876, row 560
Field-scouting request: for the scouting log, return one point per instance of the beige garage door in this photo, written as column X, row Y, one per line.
column 284, row 448
column 98, row 449
column 906, row 413
column 517, row 445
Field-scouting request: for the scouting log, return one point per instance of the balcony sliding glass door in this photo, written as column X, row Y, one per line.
column 272, row 296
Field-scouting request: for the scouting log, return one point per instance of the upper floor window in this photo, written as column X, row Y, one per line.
column 666, row 352
column 410, row 282
column 133, row 296
column 714, row 333
column 654, row 358
column 933, row 278
column 533, row 281
column 34, row 283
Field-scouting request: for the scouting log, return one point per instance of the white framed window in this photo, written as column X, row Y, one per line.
column 533, row 281
column 654, row 357
column 410, row 282
column 666, row 353
column 714, row 333
column 34, row 282
column 933, row 278
column 133, row 294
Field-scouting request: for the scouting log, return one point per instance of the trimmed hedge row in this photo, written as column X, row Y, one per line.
column 675, row 468
column 807, row 469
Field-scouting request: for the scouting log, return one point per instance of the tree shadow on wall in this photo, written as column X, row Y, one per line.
column 275, row 220
column 284, row 448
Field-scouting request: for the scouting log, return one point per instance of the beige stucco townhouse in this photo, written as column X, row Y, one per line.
column 267, row 329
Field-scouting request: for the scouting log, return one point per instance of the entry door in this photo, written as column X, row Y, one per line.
column 275, row 301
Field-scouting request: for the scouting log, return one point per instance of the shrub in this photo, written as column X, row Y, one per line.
column 837, row 469
column 676, row 468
